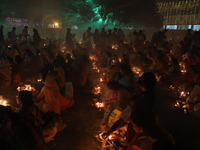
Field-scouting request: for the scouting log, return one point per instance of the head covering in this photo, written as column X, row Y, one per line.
column 51, row 95
column 51, row 85
column 50, row 80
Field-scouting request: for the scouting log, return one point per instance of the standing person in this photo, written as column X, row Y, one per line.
column 103, row 38
column 161, row 37
column 120, row 35
column 114, row 37
column 24, row 34
column 1, row 35
column 36, row 38
column 69, row 39
column 96, row 39
column 188, row 39
column 12, row 35
column 87, row 39
column 139, row 40
column 109, row 37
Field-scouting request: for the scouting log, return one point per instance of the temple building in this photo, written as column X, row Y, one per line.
column 180, row 14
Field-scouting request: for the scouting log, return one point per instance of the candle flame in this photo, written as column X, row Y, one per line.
column 99, row 104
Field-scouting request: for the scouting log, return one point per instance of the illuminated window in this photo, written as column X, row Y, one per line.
column 196, row 27
column 172, row 27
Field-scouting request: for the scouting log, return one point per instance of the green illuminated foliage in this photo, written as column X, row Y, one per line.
column 77, row 11
column 135, row 12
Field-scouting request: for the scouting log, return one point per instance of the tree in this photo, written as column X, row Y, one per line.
column 131, row 12
column 79, row 11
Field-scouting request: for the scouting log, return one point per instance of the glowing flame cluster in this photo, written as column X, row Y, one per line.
column 26, row 87
column 112, row 137
column 94, row 66
column 183, row 94
column 93, row 58
column 137, row 71
column 158, row 78
column 171, row 87
column 97, row 90
column 99, row 104
column 115, row 47
column 183, row 68
column 3, row 102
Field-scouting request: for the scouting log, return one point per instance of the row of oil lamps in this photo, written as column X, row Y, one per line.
column 97, row 91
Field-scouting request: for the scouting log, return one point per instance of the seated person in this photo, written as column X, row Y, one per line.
column 148, row 135
column 173, row 74
column 49, row 94
column 143, row 102
column 126, row 78
column 19, row 132
column 48, row 124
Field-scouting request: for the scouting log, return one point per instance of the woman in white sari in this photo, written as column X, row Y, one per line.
column 49, row 95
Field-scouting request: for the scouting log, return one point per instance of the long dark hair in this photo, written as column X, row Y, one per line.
column 148, row 80
column 27, row 98
column 44, row 73
column 114, row 85
column 147, row 121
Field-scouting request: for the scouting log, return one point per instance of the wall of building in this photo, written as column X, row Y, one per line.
column 182, row 15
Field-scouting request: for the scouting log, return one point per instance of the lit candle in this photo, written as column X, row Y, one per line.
column 177, row 104
column 99, row 104
column 4, row 103
column 182, row 94
column 171, row 87
column 97, row 90
column 158, row 78
column 91, row 57
column 112, row 137
column 114, row 61
column 18, row 88
column 101, row 80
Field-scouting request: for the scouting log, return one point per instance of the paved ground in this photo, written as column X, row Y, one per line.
column 184, row 127
column 79, row 136
column 83, row 121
